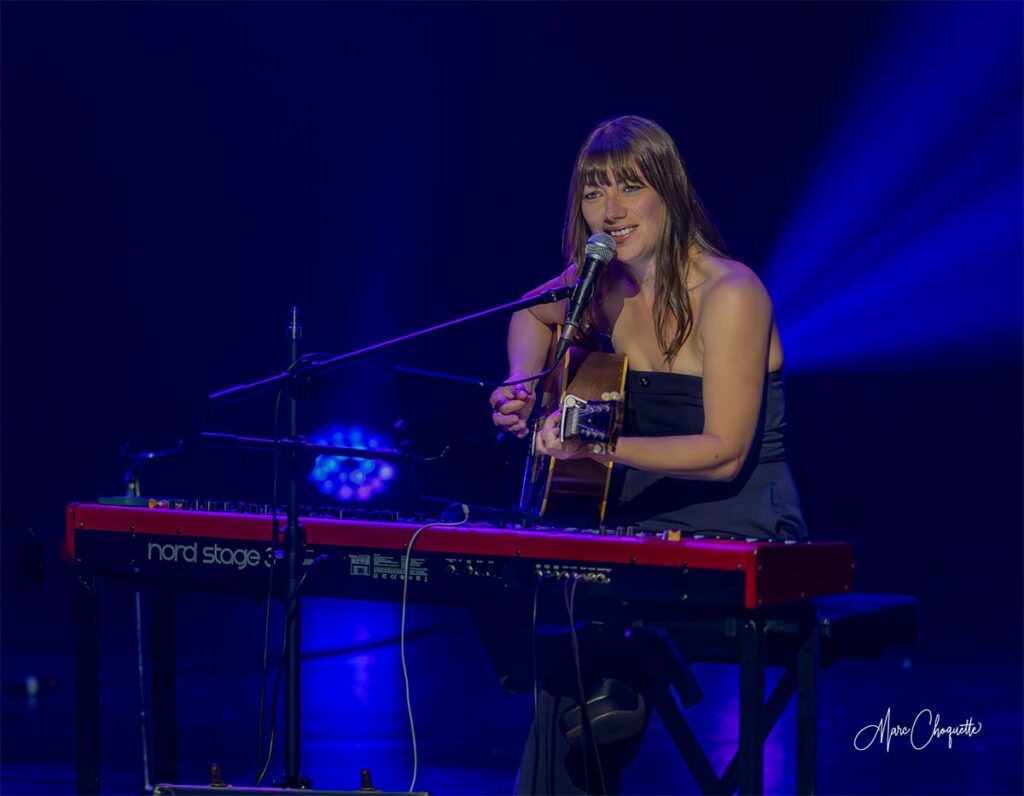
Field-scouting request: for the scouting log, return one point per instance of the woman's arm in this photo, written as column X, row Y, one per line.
column 735, row 329
column 529, row 338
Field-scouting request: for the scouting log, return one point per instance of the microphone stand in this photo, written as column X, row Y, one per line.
column 298, row 445
column 294, row 545
column 296, row 381
column 304, row 375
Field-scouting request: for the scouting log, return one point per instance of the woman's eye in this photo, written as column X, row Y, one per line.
column 591, row 195
column 631, row 188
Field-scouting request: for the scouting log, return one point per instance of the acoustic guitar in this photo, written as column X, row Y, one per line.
column 589, row 386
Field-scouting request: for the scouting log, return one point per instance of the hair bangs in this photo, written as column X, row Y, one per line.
column 605, row 161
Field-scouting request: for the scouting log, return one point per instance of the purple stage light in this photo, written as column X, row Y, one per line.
column 348, row 478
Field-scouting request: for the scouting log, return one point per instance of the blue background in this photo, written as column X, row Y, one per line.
column 176, row 176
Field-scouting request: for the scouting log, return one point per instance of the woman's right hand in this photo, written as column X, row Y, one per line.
column 510, row 408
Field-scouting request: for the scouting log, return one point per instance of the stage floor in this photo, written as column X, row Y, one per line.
column 470, row 731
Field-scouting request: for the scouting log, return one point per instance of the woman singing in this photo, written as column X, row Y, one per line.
column 703, row 439
column 702, row 448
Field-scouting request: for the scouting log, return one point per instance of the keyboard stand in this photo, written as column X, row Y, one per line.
column 800, row 637
column 814, row 635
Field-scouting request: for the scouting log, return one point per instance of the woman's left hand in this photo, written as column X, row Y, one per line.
column 549, row 442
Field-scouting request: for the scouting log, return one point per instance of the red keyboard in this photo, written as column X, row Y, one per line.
column 365, row 559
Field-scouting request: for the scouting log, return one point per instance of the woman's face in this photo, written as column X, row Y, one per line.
column 631, row 212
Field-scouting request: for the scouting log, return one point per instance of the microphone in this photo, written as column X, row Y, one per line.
column 600, row 250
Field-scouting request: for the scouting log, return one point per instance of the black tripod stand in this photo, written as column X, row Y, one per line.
column 296, row 381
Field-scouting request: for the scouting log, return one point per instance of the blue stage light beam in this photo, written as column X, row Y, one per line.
column 347, row 478
column 906, row 246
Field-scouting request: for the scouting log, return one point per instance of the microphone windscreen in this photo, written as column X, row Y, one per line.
column 601, row 246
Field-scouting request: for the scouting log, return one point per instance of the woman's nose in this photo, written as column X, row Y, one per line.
column 613, row 210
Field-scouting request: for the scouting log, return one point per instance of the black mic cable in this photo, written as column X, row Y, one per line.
column 600, row 251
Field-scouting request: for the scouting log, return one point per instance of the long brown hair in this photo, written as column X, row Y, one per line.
column 634, row 149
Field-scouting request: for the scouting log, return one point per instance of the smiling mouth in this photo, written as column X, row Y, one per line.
column 621, row 234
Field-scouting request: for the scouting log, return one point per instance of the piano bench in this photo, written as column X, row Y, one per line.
column 863, row 625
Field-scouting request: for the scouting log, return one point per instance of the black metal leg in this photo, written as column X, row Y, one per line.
column 752, row 661
column 687, row 744
column 162, row 667
column 807, row 714
column 87, row 687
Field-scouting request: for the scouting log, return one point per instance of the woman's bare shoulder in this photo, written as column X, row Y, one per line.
column 564, row 279
column 552, row 313
column 725, row 279
column 733, row 295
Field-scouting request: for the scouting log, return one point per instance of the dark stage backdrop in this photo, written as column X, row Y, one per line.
column 175, row 176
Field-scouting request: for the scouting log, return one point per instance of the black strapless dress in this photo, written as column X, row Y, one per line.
column 761, row 502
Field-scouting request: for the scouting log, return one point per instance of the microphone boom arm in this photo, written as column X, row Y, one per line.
column 304, row 375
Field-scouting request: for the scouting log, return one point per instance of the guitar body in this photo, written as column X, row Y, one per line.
column 575, row 492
